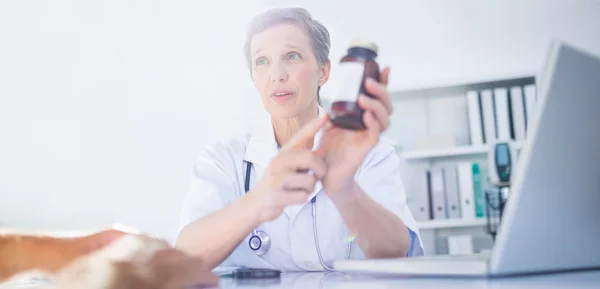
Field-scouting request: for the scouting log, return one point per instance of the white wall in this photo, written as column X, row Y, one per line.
column 105, row 105
column 436, row 42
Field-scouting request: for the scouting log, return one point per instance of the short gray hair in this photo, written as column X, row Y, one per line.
column 316, row 31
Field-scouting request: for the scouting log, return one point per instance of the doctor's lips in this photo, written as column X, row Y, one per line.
column 282, row 95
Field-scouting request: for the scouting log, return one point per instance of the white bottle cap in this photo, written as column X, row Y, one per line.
column 358, row 42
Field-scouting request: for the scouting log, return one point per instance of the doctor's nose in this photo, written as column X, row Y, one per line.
column 279, row 73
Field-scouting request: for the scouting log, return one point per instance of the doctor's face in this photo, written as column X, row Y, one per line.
column 285, row 70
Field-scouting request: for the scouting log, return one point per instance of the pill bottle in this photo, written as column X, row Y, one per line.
column 355, row 67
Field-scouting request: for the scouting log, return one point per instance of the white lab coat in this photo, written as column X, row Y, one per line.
column 218, row 180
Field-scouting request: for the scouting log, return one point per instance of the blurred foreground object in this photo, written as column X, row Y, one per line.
column 47, row 253
column 135, row 262
column 107, row 259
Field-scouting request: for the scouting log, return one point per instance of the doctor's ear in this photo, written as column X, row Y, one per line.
column 324, row 71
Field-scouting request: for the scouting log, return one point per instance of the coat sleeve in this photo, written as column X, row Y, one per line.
column 380, row 179
column 212, row 185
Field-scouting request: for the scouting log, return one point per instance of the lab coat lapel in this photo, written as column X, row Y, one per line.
column 262, row 147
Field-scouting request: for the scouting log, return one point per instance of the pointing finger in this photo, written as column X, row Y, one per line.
column 306, row 133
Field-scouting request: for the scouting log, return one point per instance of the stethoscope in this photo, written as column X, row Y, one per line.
column 260, row 242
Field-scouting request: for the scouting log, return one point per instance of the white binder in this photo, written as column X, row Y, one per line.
column 474, row 117
column 502, row 114
column 438, row 200
column 452, row 193
column 466, row 192
column 489, row 123
column 518, row 112
column 529, row 101
column 417, row 188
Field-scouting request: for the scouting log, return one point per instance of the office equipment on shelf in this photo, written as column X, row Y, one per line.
column 502, row 160
column 550, row 223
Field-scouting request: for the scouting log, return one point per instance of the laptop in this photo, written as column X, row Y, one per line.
column 551, row 222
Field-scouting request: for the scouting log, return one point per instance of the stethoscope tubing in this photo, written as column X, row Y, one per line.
column 265, row 238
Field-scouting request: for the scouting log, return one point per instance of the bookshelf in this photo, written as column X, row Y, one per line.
column 434, row 133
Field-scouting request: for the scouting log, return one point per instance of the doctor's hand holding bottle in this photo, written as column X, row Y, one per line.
column 345, row 150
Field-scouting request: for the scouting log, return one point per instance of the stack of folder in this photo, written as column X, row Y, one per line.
column 500, row 113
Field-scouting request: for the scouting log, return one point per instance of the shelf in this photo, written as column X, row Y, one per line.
column 462, row 86
column 449, row 152
column 451, row 223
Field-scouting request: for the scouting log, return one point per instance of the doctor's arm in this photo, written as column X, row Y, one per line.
column 374, row 206
column 379, row 231
column 214, row 237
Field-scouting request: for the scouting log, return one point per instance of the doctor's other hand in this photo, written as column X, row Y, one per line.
column 291, row 175
column 345, row 150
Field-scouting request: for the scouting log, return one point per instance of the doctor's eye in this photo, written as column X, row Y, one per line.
column 293, row 56
column 261, row 61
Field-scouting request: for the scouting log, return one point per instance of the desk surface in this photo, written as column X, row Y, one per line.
column 589, row 279
column 329, row 280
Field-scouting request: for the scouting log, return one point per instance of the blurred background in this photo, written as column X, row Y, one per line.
column 105, row 105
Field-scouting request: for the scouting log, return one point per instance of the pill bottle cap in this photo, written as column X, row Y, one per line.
column 357, row 42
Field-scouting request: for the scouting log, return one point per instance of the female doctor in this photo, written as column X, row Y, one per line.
column 253, row 204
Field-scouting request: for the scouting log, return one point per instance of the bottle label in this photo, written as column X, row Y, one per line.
column 348, row 81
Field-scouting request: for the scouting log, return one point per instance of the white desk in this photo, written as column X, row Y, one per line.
column 579, row 280
column 589, row 279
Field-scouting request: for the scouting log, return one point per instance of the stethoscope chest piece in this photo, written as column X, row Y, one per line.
column 260, row 242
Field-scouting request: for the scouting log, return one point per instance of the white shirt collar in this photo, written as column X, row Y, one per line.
column 262, row 146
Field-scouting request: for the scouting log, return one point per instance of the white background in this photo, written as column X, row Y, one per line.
column 104, row 105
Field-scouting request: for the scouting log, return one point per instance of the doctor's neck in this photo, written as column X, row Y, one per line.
column 285, row 128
